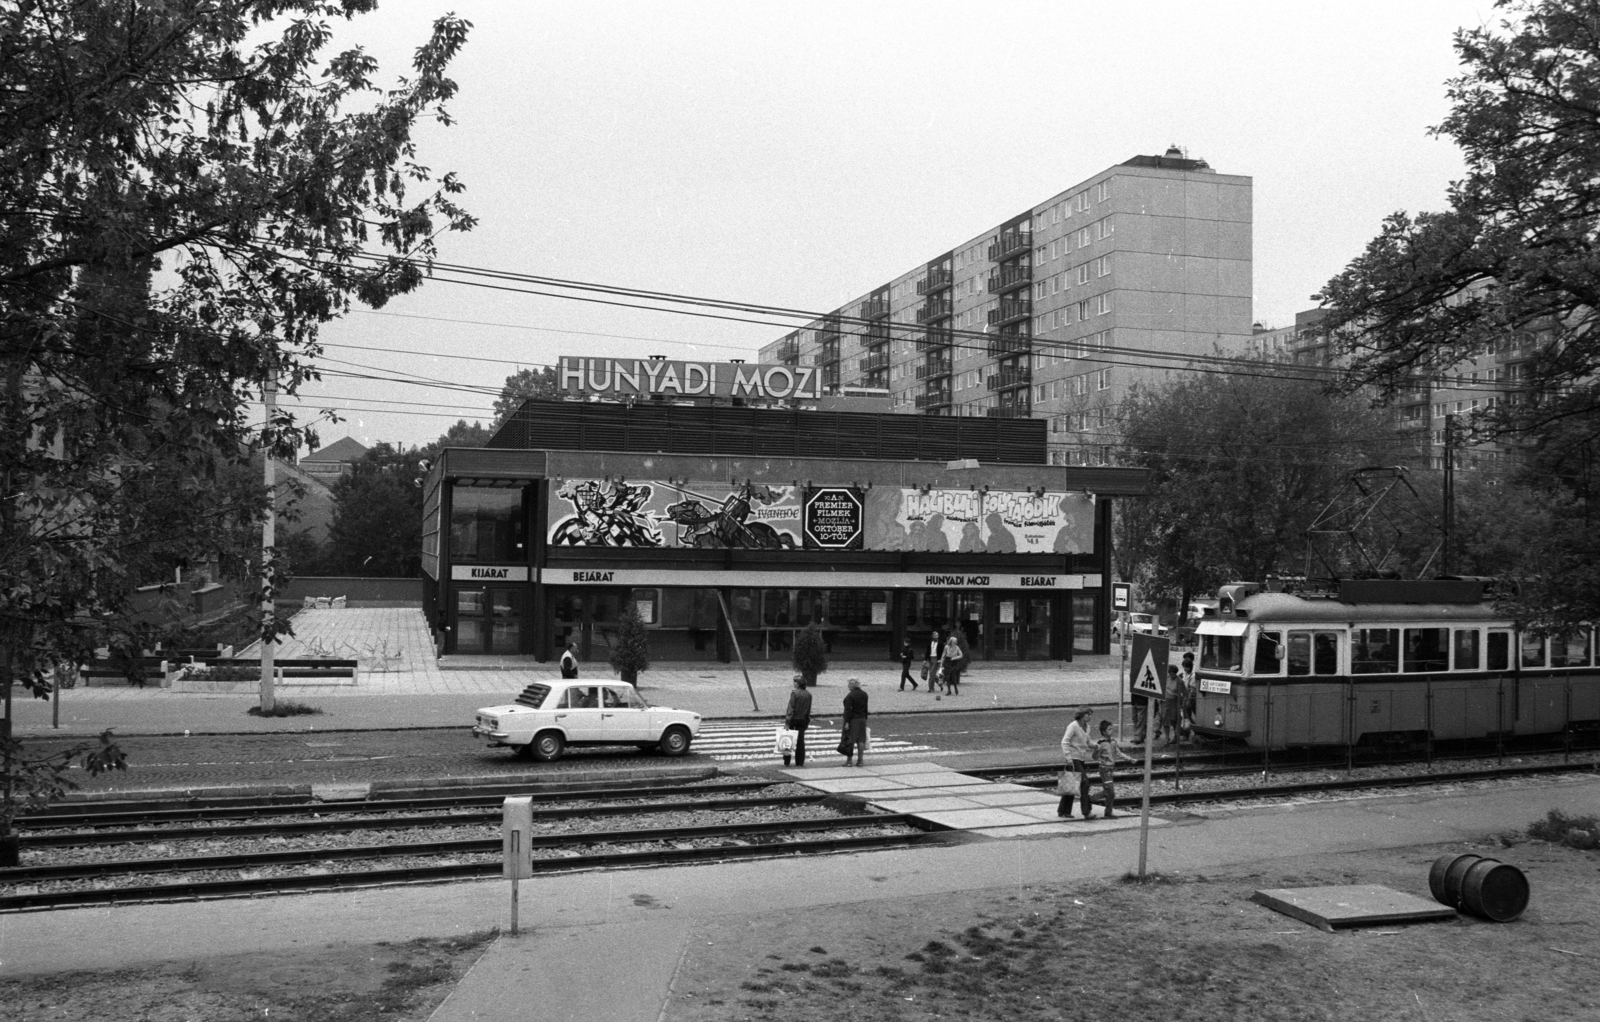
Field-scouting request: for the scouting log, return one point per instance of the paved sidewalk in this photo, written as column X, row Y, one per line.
column 402, row 686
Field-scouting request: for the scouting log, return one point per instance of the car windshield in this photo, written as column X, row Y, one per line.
column 1141, row 619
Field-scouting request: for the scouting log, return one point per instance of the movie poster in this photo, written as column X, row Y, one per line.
column 614, row 513
column 972, row 522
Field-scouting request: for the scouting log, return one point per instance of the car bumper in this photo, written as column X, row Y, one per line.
column 497, row 737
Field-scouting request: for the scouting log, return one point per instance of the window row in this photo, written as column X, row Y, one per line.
column 1314, row 652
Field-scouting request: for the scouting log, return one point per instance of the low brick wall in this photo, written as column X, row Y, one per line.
column 357, row 591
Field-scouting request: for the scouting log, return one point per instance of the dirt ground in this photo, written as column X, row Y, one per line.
column 1179, row 948
column 339, row 983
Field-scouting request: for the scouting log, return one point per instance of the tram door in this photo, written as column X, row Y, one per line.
column 489, row 620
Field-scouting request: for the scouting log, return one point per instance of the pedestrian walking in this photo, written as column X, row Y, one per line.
column 935, row 663
column 854, row 738
column 1191, row 690
column 952, row 664
column 1172, row 706
column 905, row 666
column 1106, row 753
column 797, row 717
column 1075, row 747
column 569, row 663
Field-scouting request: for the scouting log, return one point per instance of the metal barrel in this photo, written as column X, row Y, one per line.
column 1488, row 888
column 1494, row 890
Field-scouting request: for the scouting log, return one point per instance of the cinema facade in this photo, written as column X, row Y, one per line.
column 720, row 524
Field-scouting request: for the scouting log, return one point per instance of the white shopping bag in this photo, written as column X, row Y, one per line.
column 783, row 740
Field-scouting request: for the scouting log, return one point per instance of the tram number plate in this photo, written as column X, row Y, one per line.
column 1216, row 685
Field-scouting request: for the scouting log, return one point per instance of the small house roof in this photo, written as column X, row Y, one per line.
column 345, row 449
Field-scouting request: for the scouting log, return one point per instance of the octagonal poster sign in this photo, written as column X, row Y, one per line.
column 834, row 518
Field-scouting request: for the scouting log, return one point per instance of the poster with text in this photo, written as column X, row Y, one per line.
column 614, row 513
column 969, row 521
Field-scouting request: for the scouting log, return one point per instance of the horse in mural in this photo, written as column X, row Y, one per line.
column 604, row 518
column 726, row 526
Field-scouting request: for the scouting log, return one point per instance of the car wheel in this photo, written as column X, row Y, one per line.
column 674, row 741
column 546, row 746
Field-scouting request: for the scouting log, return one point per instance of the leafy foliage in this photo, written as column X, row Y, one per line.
column 631, row 654
column 36, row 780
column 377, row 515
column 525, row 385
column 1509, row 268
column 810, row 653
column 1240, row 466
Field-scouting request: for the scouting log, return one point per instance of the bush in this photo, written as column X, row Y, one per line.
column 285, row 708
column 810, row 654
column 1574, row 831
column 632, row 651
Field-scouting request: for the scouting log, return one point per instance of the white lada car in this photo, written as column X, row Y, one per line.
column 548, row 717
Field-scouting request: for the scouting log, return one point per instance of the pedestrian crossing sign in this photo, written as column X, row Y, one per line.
column 1150, row 654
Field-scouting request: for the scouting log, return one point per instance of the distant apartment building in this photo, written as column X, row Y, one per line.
column 1057, row 311
column 1427, row 404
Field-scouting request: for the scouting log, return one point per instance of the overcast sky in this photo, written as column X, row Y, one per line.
column 800, row 154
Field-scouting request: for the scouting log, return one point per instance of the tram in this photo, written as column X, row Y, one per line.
column 1378, row 661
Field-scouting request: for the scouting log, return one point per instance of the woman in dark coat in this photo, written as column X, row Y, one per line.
column 855, row 723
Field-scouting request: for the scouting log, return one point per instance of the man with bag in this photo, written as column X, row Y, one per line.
column 796, row 718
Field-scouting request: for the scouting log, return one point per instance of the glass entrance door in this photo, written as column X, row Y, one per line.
column 489, row 620
column 1035, row 615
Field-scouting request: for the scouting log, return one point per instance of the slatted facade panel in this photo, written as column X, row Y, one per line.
column 778, row 433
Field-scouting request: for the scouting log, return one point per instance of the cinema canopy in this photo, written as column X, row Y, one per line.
column 720, row 523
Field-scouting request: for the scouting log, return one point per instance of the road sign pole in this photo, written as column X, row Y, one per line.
column 1144, row 805
column 1123, row 695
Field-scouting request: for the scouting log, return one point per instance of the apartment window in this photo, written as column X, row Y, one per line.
column 1102, row 191
column 1102, row 266
column 1083, row 238
column 1039, row 393
column 1083, row 274
column 1055, row 283
column 1039, row 253
column 1102, row 304
column 1038, row 290
column 1083, row 201
column 1103, row 380
column 1083, row 311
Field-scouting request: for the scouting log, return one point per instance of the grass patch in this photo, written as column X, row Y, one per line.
column 285, row 708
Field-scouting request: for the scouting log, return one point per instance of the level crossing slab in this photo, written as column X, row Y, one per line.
column 951, row 800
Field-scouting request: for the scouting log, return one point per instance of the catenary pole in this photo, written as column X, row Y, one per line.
column 269, row 398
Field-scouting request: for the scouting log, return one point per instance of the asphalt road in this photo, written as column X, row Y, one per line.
column 354, row 757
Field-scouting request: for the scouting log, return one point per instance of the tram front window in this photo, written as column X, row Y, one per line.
column 1222, row 652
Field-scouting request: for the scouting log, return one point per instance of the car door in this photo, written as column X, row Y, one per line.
column 624, row 716
column 579, row 714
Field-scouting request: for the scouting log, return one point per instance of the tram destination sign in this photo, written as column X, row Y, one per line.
column 619, row 378
column 834, row 519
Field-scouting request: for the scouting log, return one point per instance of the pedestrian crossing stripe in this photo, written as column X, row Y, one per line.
column 1147, row 680
column 735, row 742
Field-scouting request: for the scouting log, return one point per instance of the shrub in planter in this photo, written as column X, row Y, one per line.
column 632, row 652
column 810, row 654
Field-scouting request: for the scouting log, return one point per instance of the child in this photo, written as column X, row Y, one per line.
column 1106, row 753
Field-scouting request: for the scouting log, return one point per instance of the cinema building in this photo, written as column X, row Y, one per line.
column 723, row 524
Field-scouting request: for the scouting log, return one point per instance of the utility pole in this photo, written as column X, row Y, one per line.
column 269, row 398
column 1447, row 560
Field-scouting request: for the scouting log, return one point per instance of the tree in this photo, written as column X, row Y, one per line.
column 631, row 654
column 810, row 654
column 525, row 385
column 34, row 780
column 188, row 191
column 459, row 435
column 377, row 515
column 1510, row 262
column 1240, row 465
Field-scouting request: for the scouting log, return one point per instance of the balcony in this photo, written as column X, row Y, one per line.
column 933, row 369
column 1015, row 412
column 1010, row 278
column 877, row 333
column 935, row 309
column 788, row 350
column 938, row 399
column 874, row 308
column 1009, row 344
column 830, row 376
column 936, row 338
column 1009, row 244
column 875, row 362
column 935, row 282
column 830, row 352
column 1006, row 379
column 1011, row 310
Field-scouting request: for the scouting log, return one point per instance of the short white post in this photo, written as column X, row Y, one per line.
column 517, row 864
